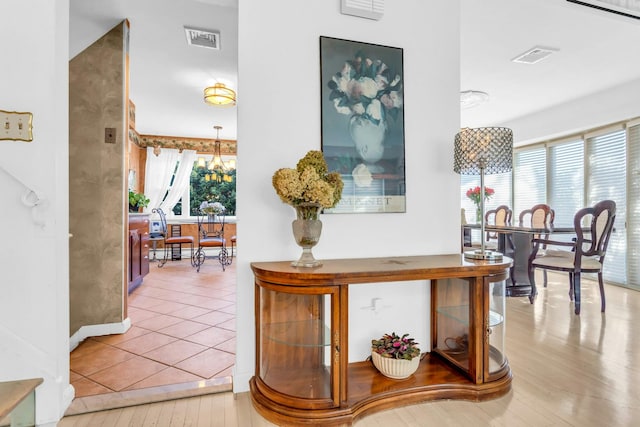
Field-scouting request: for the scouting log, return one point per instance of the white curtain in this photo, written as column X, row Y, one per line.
column 181, row 180
column 158, row 173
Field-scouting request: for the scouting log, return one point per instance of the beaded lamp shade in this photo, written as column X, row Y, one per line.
column 488, row 149
column 483, row 151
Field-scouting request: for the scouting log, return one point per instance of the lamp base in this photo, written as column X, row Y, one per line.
column 480, row 255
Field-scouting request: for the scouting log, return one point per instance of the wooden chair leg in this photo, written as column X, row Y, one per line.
column 576, row 291
column 601, row 284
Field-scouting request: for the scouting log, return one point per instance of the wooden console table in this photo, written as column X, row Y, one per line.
column 302, row 373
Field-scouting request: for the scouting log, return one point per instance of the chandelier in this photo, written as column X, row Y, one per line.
column 220, row 95
column 217, row 169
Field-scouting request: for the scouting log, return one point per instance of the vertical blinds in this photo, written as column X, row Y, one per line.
column 529, row 179
column 633, row 207
column 606, row 180
column 566, row 174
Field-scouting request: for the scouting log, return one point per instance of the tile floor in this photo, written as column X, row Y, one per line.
column 182, row 330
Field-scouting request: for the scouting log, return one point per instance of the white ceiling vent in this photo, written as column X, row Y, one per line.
column 370, row 9
column 534, row 55
column 202, row 38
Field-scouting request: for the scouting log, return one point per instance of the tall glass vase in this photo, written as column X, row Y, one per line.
column 306, row 230
column 478, row 215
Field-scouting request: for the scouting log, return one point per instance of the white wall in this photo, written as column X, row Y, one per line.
column 602, row 108
column 279, row 121
column 34, row 307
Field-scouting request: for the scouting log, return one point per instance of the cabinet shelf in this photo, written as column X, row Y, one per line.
column 298, row 333
column 461, row 314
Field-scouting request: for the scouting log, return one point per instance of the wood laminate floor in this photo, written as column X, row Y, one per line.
column 568, row 370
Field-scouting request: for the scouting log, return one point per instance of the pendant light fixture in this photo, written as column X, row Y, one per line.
column 219, row 95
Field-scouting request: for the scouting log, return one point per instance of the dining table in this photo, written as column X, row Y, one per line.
column 516, row 242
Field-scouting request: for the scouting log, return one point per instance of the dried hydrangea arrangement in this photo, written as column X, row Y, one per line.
column 309, row 184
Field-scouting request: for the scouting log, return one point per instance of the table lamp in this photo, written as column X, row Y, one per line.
column 483, row 151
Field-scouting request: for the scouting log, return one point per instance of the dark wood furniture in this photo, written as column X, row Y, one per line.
column 539, row 216
column 516, row 243
column 498, row 216
column 302, row 373
column 584, row 255
column 138, row 264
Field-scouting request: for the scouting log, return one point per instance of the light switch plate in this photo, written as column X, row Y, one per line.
column 16, row 126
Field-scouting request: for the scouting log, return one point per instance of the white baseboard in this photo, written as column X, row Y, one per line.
column 97, row 330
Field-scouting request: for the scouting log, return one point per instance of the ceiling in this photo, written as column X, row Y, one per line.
column 593, row 50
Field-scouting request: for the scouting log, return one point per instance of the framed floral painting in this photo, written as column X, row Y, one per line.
column 362, row 111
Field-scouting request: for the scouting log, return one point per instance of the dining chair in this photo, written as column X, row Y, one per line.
column 585, row 254
column 171, row 240
column 211, row 235
column 539, row 216
column 498, row 216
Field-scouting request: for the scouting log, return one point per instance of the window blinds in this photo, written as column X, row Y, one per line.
column 566, row 175
column 606, row 180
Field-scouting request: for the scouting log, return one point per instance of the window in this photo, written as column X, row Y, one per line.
column 500, row 183
column 581, row 171
column 566, row 176
column 606, row 180
column 529, row 179
column 202, row 189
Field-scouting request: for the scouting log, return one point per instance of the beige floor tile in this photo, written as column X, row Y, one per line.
column 184, row 329
column 85, row 387
column 229, row 346
column 211, row 337
column 122, row 375
column 132, row 333
column 168, row 376
column 159, row 322
column 99, row 360
column 190, row 312
column 213, row 318
column 208, row 363
column 168, row 300
column 175, row 352
column 145, row 343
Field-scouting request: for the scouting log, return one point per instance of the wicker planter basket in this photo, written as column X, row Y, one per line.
column 397, row 369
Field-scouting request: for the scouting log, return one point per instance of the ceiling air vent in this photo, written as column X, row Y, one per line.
column 534, row 55
column 370, row 9
column 202, row 38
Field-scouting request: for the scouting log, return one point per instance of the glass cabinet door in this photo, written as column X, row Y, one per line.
column 495, row 329
column 295, row 346
column 469, row 325
column 452, row 308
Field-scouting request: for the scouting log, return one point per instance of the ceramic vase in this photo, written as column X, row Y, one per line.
column 396, row 369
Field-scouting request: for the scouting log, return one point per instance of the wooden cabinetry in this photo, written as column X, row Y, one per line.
column 138, row 265
column 302, row 315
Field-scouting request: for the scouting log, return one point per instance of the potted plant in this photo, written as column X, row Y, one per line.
column 395, row 356
column 137, row 201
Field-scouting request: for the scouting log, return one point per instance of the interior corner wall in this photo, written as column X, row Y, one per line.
column 97, row 100
column 34, row 307
column 279, row 121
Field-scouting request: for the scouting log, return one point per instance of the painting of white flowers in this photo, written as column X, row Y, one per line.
column 363, row 123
